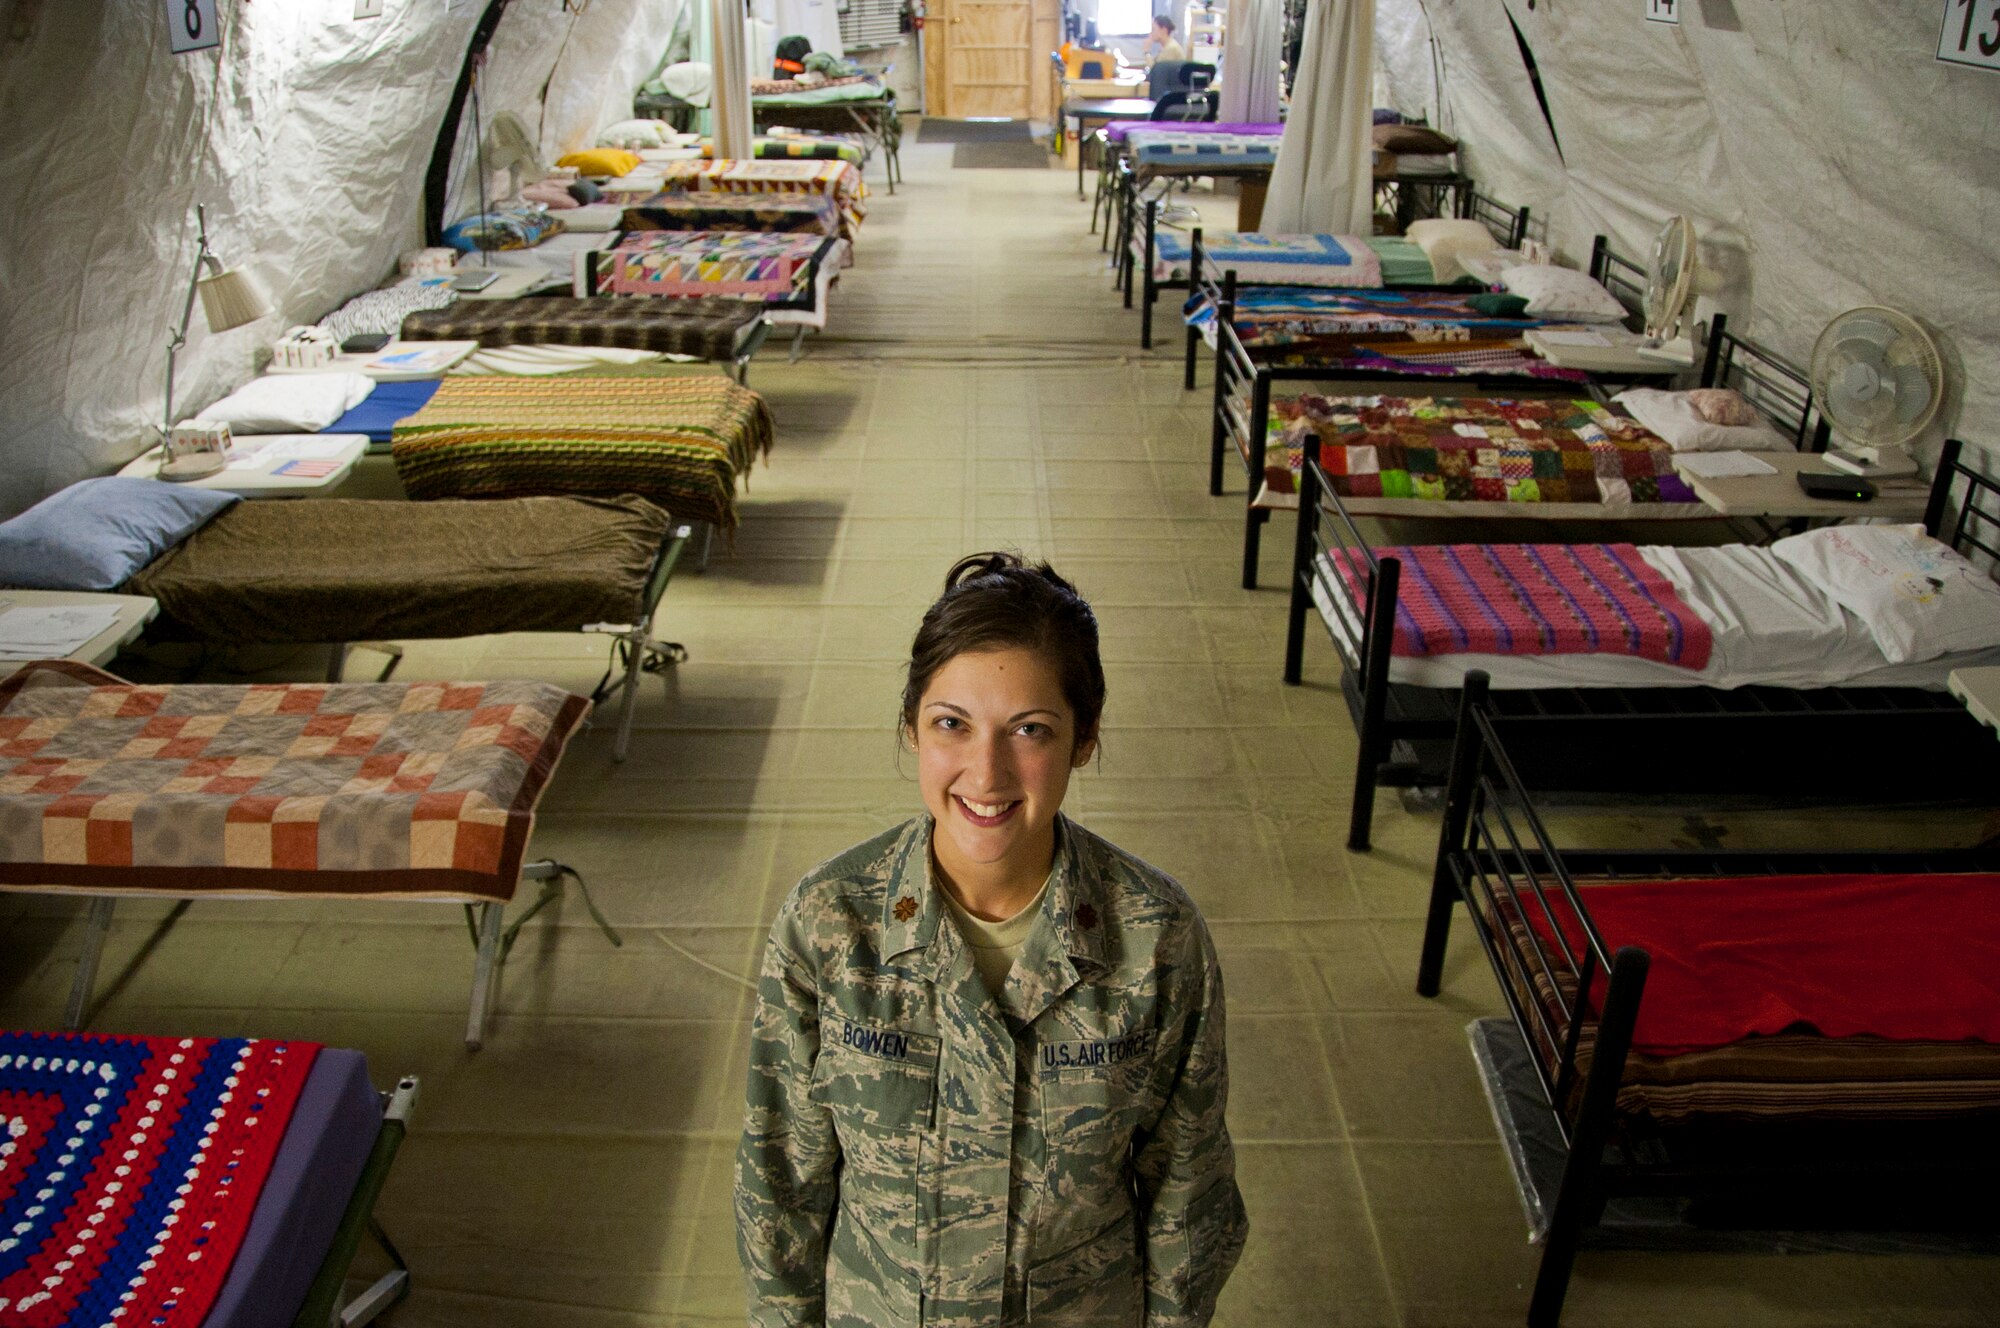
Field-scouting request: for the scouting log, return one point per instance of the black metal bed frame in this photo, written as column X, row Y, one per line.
column 1234, row 365
column 1496, row 855
column 1509, row 226
column 1584, row 738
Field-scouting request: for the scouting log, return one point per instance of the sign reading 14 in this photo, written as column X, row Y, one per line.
column 1663, row 11
column 1971, row 33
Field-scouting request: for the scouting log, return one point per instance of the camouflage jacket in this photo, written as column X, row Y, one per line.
column 912, row 1155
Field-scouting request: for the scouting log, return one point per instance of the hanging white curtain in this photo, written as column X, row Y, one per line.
column 1323, row 181
column 730, row 104
column 1252, row 49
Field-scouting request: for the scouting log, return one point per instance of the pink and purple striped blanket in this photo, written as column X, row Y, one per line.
column 1535, row 599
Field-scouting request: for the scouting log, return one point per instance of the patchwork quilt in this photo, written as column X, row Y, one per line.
column 402, row 790
column 129, row 1170
column 1157, row 148
column 1534, row 599
column 1471, row 449
column 800, row 214
column 679, row 442
column 777, row 270
column 820, row 147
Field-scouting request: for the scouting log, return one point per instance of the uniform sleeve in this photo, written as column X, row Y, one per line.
column 1193, row 1213
column 785, row 1166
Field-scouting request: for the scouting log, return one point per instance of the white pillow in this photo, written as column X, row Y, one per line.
column 1561, row 292
column 635, row 134
column 1918, row 598
column 594, row 218
column 1443, row 240
column 289, row 403
column 1673, row 417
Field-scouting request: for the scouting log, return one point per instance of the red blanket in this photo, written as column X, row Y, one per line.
column 1536, row 599
column 1908, row 958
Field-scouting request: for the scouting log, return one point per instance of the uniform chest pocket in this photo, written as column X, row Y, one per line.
column 1092, row 1091
column 874, row 1079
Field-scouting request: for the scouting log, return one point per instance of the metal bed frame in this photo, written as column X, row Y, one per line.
column 1572, row 1151
column 1508, row 225
column 326, row 1304
column 879, row 123
column 1582, row 738
column 1237, row 373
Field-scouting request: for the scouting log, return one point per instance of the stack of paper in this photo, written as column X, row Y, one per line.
column 36, row 631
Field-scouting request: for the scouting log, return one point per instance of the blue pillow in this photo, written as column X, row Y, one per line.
column 95, row 534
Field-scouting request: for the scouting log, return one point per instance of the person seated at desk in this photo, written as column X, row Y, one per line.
column 1160, row 45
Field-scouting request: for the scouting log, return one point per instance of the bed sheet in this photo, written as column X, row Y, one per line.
column 1769, row 627
column 386, row 405
column 421, row 790
column 1306, row 260
column 682, row 442
column 326, row 1148
column 709, row 329
column 555, row 256
column 780, row 147
column 838, row 180
column 398, row 571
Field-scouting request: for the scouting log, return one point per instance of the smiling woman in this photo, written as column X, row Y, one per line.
column 987, row 1069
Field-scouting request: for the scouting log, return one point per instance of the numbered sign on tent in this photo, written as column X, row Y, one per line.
column 1664, row 11
column 1971, row 34
column 191, row 25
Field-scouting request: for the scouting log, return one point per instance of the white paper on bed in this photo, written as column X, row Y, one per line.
column 1771, row 626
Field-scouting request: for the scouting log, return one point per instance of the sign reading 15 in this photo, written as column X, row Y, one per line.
column 1971, row 33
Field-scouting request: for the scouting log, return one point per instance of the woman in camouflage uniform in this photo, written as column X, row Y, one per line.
column 987, row 1074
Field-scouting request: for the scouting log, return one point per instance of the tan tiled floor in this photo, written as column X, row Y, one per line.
column 576, row 1173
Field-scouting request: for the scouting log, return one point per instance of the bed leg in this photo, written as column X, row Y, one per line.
column 1253, row 541
column 322, row 1307
column 628, row 700
column 336, row 661
column 1302, row 566
column 1378, row 636
column 1452, row 836
column 95, row 929
column 1150, row 291
column 485, row 975
column 1191, row 352
column 1254, row 516
column 707, row 543
column 798, row 344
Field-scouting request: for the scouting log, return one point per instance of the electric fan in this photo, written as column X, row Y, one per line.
column 1669, row 299
column 1879, row 381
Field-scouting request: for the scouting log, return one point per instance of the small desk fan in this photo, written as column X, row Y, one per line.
column 1878, row 379
column 1670, row 290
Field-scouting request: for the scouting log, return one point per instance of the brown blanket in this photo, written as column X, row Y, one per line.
column 713, row 329
column 357, row 570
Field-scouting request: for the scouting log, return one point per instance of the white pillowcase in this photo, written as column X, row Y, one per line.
column 1672, row 416
column 1444, row 240
column 1562, row 292
column 635, row 134
column 1918, row 598
column 594, row 218
column 289, row 403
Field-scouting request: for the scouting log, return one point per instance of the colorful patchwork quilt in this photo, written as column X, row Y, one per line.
column 776, row 270
column 1534, row 599
column 1157, row 148
column 680, row 442
column 817, row 147
column 800, row 214
column 404, row 790
column 129, row 1170
column 1470, row 449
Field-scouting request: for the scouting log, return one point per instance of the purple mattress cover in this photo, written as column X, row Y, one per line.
column 1117, row 130
column 326, row 1146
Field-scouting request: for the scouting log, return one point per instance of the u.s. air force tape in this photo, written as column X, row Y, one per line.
column 1101, row 1054
column 887, row 1044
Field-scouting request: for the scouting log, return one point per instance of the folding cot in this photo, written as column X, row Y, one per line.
column 727, row 332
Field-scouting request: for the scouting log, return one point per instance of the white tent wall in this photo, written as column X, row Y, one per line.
column 1825, row 156
column 306, row 137
column 565, row 74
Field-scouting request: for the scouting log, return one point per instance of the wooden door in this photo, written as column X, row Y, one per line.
column 987, row 64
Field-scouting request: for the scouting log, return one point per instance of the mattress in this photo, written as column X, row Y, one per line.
column 786, row 92
column 709, row 329
column 813, row 214
column 391, row 570
column 1789, row 1074
column 555, row 257
column 1769, row 627
column 820, row 147
column 680, row 442
column 326, row 1147
column 1156, row 149
column 838, row 180
column 1119, row 130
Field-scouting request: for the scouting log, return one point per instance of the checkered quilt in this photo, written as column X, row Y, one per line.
column 1471, row 449
column 407, row 790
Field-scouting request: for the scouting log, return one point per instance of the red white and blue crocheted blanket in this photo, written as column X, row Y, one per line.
column 129, row 1168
